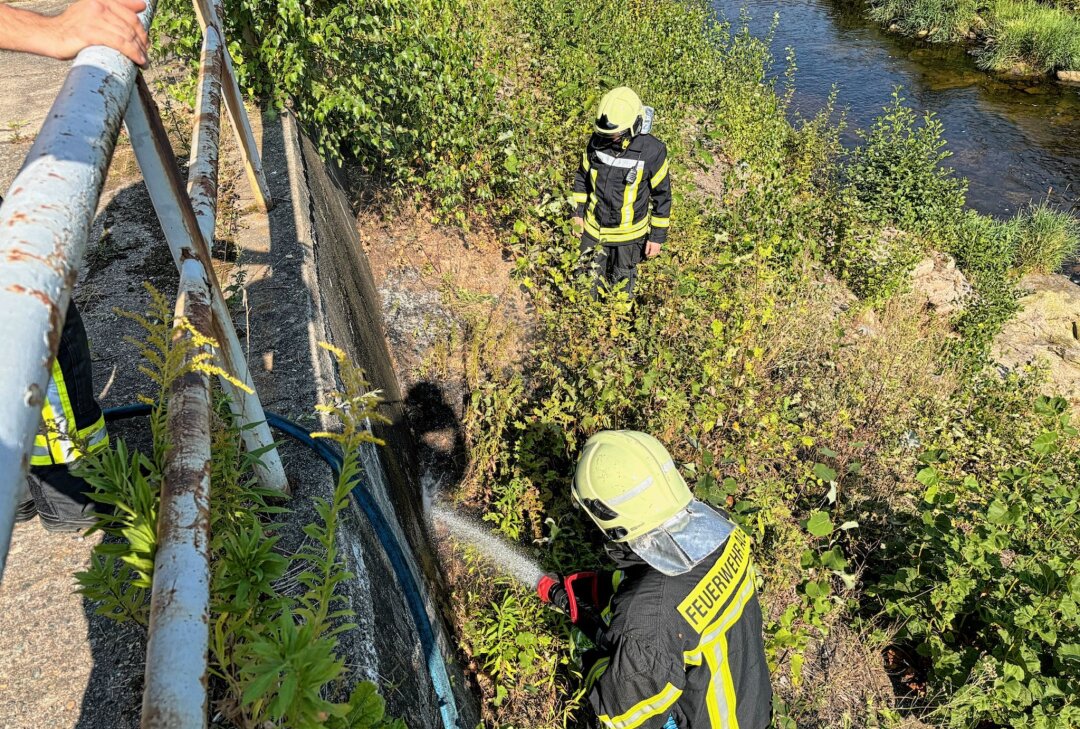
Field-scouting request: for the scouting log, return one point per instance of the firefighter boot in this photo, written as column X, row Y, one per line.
column 61, row 499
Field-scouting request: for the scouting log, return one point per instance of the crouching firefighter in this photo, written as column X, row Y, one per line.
column 622, row 193
column 679, row 638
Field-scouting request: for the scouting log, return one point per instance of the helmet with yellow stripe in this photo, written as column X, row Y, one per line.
column 629, row 485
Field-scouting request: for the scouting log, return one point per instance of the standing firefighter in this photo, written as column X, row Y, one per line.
column 622, row 192
column 679, row 641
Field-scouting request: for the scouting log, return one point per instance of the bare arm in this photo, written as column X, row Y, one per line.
column 113, row 23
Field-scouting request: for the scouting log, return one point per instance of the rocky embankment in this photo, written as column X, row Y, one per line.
column 1045, row 332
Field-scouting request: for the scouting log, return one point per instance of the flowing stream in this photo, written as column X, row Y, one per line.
column 1014, row 141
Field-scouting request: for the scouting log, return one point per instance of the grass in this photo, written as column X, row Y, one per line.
column 1046, row 239
column 1012, row 35
column 936, row 20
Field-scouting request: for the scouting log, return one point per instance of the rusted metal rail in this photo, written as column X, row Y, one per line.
column 209, row 13
column 176, row 654
column 44, row 224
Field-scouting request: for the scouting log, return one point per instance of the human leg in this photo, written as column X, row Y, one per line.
column 624, row 259
column 73, row 425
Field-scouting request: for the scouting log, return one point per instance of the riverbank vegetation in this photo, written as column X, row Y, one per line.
column 1023, row 37
column 912, row 509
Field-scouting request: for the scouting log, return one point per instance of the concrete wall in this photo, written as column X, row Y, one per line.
column 351, row 315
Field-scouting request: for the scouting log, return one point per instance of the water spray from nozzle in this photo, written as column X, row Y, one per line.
column 499, row 552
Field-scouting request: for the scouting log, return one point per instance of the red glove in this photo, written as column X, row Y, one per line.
column 574, row 594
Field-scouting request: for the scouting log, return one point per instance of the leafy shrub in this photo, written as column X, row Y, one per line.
column 1046, row 238
column 988, row 592
column 896, row 175
column 395, row 83
column 876, row 264
column 982, row 246
column 984, row 249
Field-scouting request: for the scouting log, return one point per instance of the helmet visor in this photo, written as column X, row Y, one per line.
column 683, row 541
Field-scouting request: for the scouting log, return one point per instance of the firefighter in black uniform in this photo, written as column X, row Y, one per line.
column 72, row 426
column 622, row 191
column 679, row 641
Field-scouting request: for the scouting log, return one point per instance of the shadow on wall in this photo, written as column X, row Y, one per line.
column 440, row 441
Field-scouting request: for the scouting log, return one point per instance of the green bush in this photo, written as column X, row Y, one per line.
column 984, row 249
column 395, row 83
column 896, row 175
column 1045, row 239
column 989, row 592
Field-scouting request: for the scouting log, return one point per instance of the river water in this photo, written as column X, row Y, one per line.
column 1013, row 141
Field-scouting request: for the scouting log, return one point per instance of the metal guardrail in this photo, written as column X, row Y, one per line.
column 44, row 224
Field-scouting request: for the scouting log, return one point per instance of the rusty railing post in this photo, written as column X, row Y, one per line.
column 174, row 696
column 185, row 230
column 209, row 13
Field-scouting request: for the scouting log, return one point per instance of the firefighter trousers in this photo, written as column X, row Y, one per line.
column 613, row 265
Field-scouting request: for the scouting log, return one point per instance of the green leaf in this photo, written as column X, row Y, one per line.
column 824, row 473
column 1000, row 512
column 1045, row 442
column 819, row 524
column 834, row 559
column 928, row 476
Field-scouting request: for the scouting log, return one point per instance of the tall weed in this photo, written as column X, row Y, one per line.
column 274, row 657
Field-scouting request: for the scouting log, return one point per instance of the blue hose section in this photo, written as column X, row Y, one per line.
column 440, row 680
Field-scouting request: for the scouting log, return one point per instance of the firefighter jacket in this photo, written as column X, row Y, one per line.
column 73, row 421
column 624, row 192
column 687, row 647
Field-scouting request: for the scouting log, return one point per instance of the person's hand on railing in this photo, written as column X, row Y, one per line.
column 112, row 23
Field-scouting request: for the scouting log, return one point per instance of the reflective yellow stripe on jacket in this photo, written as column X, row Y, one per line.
column 61, row 442
column 596, row 671
column 621, row 234
column 661, row 173
column 643, row 710
column 713, row 608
